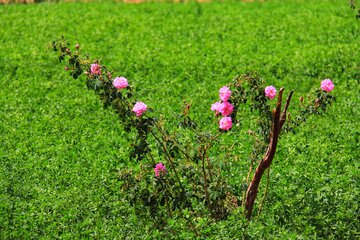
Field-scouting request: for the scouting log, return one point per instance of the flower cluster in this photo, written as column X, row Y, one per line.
column 160, row 170
column 224, row 107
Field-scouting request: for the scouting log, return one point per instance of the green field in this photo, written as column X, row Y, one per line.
column 61, row 151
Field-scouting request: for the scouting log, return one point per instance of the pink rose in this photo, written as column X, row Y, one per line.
column 95, row 69
column 139, row 108
column 120, row 82
column 270, row 92
column 159, row 170
column 226, row 108
column 225, row 123
column 224, row 93
column 327, row 85
column 216, row 107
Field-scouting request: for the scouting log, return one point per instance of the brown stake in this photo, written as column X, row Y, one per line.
column 278, row 121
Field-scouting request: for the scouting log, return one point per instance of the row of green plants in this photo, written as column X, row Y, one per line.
column 178, row 170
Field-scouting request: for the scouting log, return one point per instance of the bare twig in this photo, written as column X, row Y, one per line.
column 278, row 121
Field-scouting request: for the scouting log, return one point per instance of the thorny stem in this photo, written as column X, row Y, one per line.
column 152, row 158
column 176, row 142
column 208, row 166
column 205, row 179
column 169, row 159
column 166, row 203
column 203, row 154
column 186, row 155
column 212, row 140
column 206, row 155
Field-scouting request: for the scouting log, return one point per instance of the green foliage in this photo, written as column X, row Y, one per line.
column 61, row 153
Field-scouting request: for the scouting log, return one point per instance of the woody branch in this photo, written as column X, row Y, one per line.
column 279, row 119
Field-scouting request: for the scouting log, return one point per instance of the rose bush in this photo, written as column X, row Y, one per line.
column 192, row 180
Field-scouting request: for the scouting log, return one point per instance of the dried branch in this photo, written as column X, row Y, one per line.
column 279, row 119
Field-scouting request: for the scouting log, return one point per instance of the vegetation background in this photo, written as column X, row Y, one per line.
column 61, row 151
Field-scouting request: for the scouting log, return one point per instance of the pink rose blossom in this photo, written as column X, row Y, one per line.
column 226, row 108
column 95, row 69
column 120, row 82
column 224, row 93
column 225, row 123
column 139, row 108
column 327, row 85
column 159, row 170
column 270, row 92
column 216, row 107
